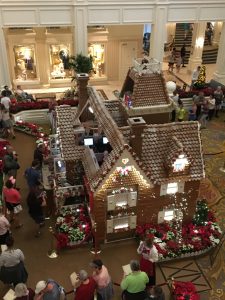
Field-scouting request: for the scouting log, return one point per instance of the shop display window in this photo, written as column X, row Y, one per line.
column 25, row 64
column 97, row 52
column 59, row 61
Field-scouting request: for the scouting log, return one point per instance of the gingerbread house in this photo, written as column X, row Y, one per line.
column 150, row 172
column 144, row 92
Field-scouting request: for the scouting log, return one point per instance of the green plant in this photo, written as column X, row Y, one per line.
column 80, row 64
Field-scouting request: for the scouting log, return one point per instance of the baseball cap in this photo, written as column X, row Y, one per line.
column 40, row 286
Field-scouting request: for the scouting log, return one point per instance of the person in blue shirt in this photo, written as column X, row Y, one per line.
column 33, row 176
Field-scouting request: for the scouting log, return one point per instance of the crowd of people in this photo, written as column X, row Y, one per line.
column 203, row 109
column 138, row 284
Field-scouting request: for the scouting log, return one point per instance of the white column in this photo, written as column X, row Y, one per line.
column 4, row 69
column 217, row 33
column 171, row 30
column 80, row 31
column 219, row 75
column 197, row 46
column 158, row 35
column 42, row 56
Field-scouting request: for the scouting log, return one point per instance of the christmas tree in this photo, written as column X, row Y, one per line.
column 200, row 83
column 201, row 215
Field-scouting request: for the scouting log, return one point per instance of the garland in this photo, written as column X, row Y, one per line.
column 195, row 237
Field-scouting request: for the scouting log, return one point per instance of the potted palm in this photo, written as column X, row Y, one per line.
column 80, row 64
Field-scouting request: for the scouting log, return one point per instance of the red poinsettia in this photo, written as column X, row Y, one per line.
column 62, row 240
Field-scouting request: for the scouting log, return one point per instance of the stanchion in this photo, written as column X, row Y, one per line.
column 52, row 252
column 95, row 250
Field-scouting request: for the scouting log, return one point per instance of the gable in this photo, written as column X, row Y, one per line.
column 125, row 166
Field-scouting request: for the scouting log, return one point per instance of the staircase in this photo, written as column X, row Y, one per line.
column 209, row 54
column 179, row 36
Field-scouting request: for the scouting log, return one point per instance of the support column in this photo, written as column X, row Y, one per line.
column 4, row 69
column 219, row 75
column 42, row 56
column 158, row 36
column 198, row 39
column 171, row 30
column 217, row 33
column 80, row 31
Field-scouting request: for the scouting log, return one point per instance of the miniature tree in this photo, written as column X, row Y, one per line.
column 200, row 83
column 201, row 215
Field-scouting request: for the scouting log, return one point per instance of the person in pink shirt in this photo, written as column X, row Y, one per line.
column 102, row 279
column 12, row 200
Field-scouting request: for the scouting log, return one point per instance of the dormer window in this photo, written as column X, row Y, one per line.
column 180, row 163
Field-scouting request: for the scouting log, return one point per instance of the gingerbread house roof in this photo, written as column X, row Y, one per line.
column 115, row 110
column 104, row 118
column 148, row 89
column 156, row 146
column 64, row 119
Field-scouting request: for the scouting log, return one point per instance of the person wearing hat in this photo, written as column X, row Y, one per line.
column 48, row 290
column 23, row 293
column 134, row 284
column 102, row 279
column 149, row 256
column 86, row 288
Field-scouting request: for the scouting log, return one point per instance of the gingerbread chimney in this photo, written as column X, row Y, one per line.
column 82, row 82
column 137, row 125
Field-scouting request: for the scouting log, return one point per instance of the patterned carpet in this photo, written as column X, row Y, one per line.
column 213, row 189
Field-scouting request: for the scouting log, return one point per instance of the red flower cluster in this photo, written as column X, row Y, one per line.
column 207, row 91
column 194, row 237
column 62, row 240
column 30, row 128
column 185, row 290
column 20, row 106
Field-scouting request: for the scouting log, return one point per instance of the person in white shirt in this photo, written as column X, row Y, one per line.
column 5, row 100
column 11, row 265
column 149, row 256
column 4, row 228
column 195, row 74
column 211, row 106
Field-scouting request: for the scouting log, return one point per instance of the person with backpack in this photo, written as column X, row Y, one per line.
column 10, row 163
column 49, row 290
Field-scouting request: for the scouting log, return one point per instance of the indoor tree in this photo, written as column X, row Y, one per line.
column 80, row 64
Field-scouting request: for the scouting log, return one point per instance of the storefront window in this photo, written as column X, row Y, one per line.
column 97, row 51
column 59, row 61
column 25, row 65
